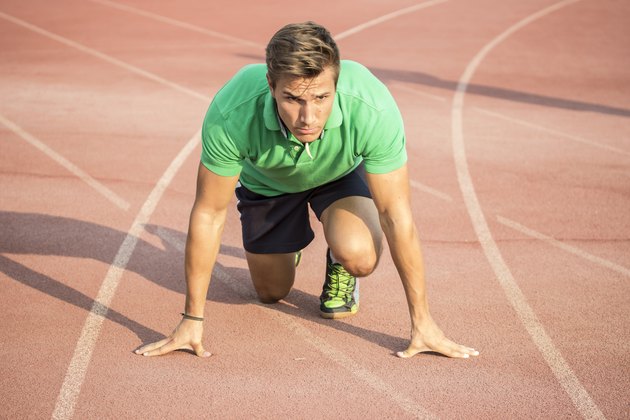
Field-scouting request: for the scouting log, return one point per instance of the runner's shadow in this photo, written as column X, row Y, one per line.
column 306, row 306
column 450, row 86
column 39, row 234
column 174, row 243
column 419, row 78
column 58, row 290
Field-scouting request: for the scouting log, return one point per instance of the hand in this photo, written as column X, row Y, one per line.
column 432, row 339
column 186, row 336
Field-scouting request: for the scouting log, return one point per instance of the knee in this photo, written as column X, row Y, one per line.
column 359, row 264
column 271, row 296
column 268, row 300
column 360, row 268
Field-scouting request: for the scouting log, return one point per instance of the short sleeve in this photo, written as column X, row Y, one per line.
column 219, row 153
column 384, row 148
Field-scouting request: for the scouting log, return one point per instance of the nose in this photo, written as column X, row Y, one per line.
column 308, row 114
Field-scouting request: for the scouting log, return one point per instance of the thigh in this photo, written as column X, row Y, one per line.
column 350, row 221
column 352, row 230
column 272, row 274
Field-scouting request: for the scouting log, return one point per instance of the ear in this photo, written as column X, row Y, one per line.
column 270, row 83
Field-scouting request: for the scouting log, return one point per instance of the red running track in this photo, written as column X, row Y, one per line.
column 518, row 124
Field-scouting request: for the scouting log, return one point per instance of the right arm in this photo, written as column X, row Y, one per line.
column 207, row 220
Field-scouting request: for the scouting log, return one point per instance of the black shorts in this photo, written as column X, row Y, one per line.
column 280, row 224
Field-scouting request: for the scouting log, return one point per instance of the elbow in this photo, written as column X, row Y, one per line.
column 208, row 218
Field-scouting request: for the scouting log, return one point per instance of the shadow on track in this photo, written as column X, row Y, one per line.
column 58, row 290
column 426, row 79
column 40, row 234
column 419, row 78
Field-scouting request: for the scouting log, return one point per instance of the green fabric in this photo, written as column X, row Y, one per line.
column 242, row 134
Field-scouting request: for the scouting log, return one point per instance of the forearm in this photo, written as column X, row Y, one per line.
column 404, row 245
column 391, row 197
column 202, row 247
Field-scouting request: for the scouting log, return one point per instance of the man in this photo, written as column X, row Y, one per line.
column 295, row 132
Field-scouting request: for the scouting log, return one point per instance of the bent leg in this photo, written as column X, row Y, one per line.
column 353, row 233
column 272, row 275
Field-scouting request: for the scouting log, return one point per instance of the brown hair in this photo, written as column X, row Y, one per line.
column 301, row 50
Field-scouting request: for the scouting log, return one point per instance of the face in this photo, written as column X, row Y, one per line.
column 304, row 105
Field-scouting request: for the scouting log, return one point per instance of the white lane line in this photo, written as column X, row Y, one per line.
column 170, row 239
column 178, row 23
column 568, row 248
column 186, row 25
column 385, row 18
column 104, row 57
column 323, row 346
column 552, row 131
column 425, row 188
column 71, row 167
column 417, row 92
column 75, row 375
column 560, row 368
column 343, row 360
column 504, row 117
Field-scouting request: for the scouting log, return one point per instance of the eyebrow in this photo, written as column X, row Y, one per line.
column 293, row 95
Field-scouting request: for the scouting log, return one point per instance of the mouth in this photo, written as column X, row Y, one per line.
column 306, row 131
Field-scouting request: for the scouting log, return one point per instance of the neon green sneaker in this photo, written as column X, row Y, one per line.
column 298, row 258
column 340, row 295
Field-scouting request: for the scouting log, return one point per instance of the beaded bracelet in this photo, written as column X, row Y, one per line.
column 192, row 318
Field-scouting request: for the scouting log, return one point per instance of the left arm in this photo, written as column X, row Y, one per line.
column 392, row 198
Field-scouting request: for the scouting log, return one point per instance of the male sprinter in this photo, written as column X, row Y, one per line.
column 295, row 132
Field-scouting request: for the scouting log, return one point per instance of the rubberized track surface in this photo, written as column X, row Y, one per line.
column 518, row 122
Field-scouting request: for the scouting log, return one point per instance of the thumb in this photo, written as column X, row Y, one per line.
column 410, row 352
column 200, row 351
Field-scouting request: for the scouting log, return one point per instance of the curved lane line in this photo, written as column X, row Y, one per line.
column 384, row 18
column 560, row 368
column 194, row 28
column 68, row 395
column 69, row 166
column 175, row 22
column 75, row 375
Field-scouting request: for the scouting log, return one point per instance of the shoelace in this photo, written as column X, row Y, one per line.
column 341, row 283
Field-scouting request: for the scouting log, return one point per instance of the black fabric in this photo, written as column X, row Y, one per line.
column 280, row 224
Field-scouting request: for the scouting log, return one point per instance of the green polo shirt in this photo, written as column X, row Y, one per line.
column 242, row 134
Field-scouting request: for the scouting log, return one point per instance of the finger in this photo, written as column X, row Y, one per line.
column 470, row 351
column 459, row 351
column 152, row 346
column 448, row 349
column 456, row 351
column 166, row 348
